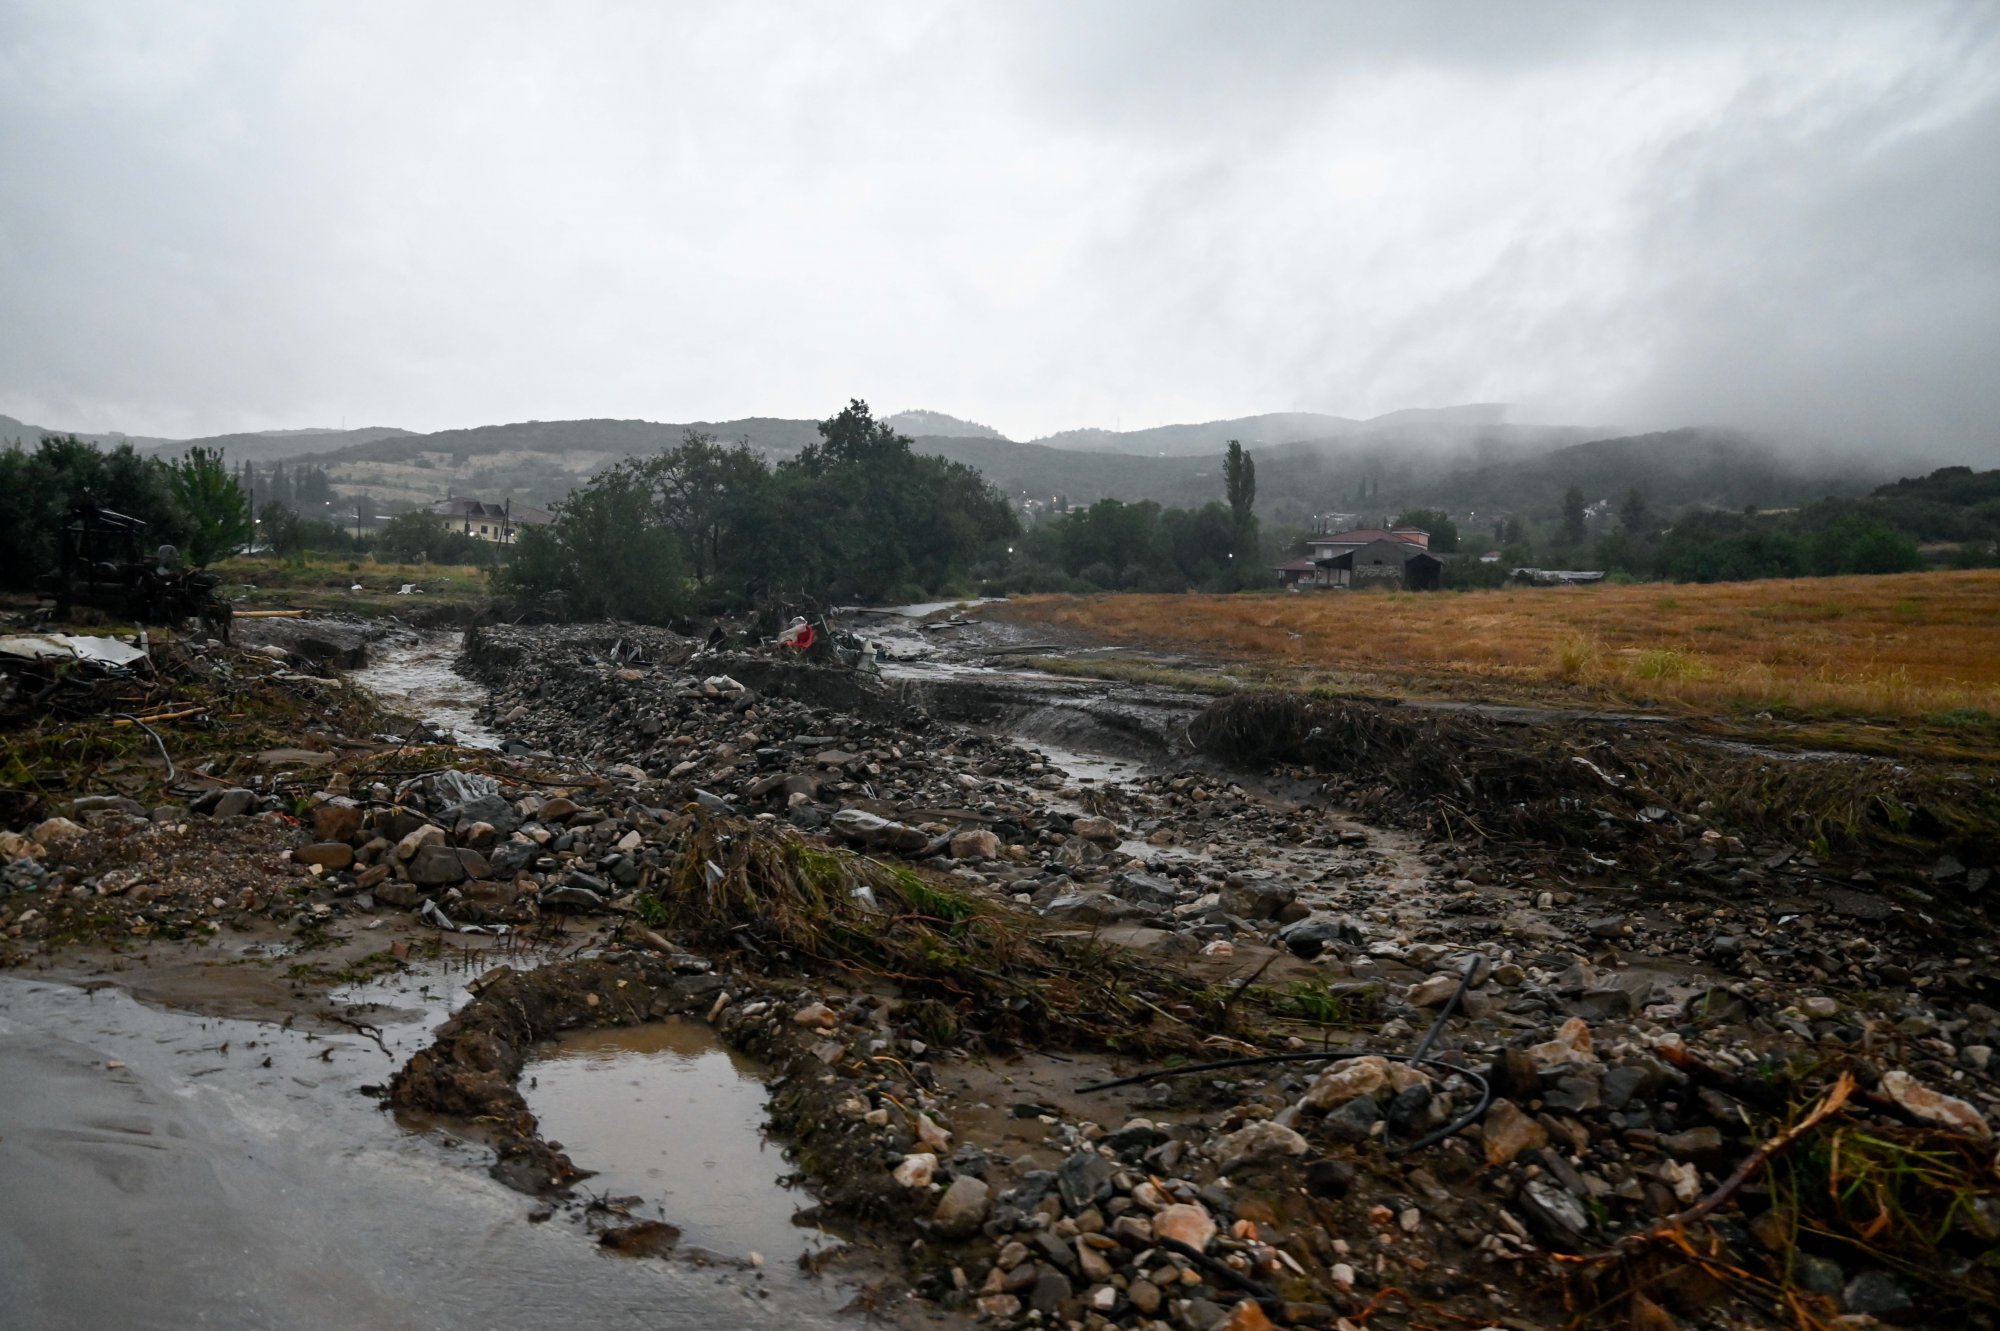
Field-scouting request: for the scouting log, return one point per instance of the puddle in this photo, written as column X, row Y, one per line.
column 232, row 1174
column 664, row 1112
column 415, row 678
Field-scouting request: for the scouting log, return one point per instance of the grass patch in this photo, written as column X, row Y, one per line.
column 1895, row 648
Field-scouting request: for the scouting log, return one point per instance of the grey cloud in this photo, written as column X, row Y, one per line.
column 234, row 215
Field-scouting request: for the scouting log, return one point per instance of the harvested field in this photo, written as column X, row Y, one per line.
column 1920, row 646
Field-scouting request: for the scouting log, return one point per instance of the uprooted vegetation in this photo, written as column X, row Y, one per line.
column 982, row 973
column 1465, row 776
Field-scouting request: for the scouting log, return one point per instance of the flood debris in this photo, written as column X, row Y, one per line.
column 1353, row 1016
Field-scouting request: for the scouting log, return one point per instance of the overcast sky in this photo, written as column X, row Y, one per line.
column 240, row 216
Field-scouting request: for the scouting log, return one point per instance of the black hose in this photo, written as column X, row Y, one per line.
column 1261, row 1293
column 172, row 775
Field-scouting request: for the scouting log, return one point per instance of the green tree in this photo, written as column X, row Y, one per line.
column 1239, row 474
column 212, row 506
column 1572, row 515
column 1443, row 531
column 1633, row 516
column 416, row 537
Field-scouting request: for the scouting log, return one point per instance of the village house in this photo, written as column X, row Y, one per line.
column 1366, row 557
column 499, row 523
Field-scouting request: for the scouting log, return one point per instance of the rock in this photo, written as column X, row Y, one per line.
column 1185, row 1222
column 978, row 844
column 338, row 819
column 1097, row 829
column 1877, row 1293
column 1147, row 890
column 14, row 846
column 574, row 895
column 436, row 865
column 51, row 831
column 326, row 854
column 1311, row 936
column 1093, row 908
column 1262, row 1140
column 1083, row 1179
column 1354, row 1121
column 226, row 803
column 916, row 1170
column 426, row 834
column 1946, row 1111
column 999, row 1307
column 875, row 832
column 930, row 1136
column 1347, row 1079
column 1507, row 1132
column 1145, row 1296
column 1049, row 1292
column 813, row 1014
column 1820, row 1007
column 1329, row 1178
column 1551, row 1210
column 1434, row 992
column 1571, row 1045
column 392, row 893
column 1257, row 895
column 962, row 1209
column 1248, row 1315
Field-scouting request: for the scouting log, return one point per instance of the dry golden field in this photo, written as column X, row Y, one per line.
column 1909, row 646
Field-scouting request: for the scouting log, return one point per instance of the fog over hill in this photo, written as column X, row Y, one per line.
column 1463, row 459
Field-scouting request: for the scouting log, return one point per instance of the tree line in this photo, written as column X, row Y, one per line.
column 192, row 503
column 707, row 527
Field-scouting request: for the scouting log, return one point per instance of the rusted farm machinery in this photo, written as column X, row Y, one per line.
column 102, row 562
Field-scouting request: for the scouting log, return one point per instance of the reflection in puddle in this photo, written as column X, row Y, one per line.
column 663, row 1112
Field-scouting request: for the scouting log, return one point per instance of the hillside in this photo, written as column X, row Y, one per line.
column 917, row 424
column 1462, row 460
column 1284, row 427
column 256, row 446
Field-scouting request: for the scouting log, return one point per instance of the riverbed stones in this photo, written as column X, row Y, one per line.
column 1506, row 1132
column 975, row 844
column 875, row 832
column 1346, row 1080
column 1257, row 1142
column 1185, row 1222
column 326, row 854
column 436, row 865
column 963, row 1208
column 1946, row 1111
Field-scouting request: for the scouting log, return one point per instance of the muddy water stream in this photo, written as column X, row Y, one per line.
column 162, row 1169
column 414, row 676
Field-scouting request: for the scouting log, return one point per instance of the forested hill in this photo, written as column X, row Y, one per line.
column 1411, row 460
column 256, row 446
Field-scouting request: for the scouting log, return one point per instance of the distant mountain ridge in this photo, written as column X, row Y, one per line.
column 918, row 423
column 1464, row 459
column 1282, row 427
